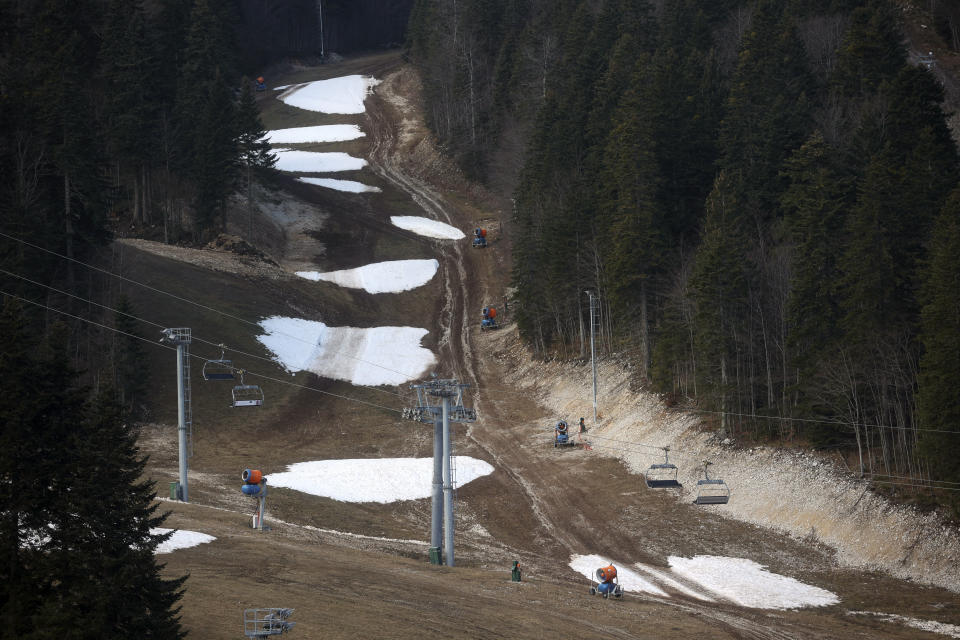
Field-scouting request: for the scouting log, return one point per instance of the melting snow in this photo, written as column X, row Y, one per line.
column 380, row 480
column 181, row 539
column 337, row 95
column 381, row 277
column 748, row 584
column 427, row 227
column 943, row 628
column 340, row 185
column 374, row 356
column 317, row 162
column 629, row 580
column 320, row 133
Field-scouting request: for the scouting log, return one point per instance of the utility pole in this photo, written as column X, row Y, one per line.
column 181, row 338
column 593, row 351
column 440, row 402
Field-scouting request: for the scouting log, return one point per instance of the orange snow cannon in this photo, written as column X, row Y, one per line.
column 251, row 476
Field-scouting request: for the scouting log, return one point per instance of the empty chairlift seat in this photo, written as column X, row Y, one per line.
column 662, row 475
column 219, row 369
column 711, row 490
column 247, row 395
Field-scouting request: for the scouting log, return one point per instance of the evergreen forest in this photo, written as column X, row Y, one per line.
column 763, row 194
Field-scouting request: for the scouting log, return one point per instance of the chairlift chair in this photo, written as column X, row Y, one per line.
column 247, row 395
column 219, row 369
column 711, row 490
column 663, row 475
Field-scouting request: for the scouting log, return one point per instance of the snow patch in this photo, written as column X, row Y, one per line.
column 317, row 162
column 427, row 227
column 381, row 480
column 750, row 585
column 336, row 95
column 319, row 133
column 951, row 630
column 381, row 277
column 371, row 357
column 180, row 539
column 350, row 186
column 630, row 580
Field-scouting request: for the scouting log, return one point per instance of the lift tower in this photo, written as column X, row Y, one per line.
column 181, row 339
column 441, row 402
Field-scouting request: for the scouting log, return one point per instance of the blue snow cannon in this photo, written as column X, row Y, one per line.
column 479, row 238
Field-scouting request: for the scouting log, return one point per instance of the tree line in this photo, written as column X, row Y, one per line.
column 112, row 113
column 762, row 192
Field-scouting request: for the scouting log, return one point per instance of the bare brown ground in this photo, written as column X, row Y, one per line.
column 360, row 570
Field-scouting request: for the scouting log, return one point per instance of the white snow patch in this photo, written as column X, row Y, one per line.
column 380, row 480
column 427, row 227
column 180, row 539
column 630, row 581
column 750, row 585
column 282, row 87
column 381, row 277
column 319, row 133
column 943, row 628
column 337, row 95
column 374, row 356
column 669, row 581
column 317, row 162
column 350, row 186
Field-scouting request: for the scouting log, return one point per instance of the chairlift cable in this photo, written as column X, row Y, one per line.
column 180, row 298
column 195, row 337
column 158, row 344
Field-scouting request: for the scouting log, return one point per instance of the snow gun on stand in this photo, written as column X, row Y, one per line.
column 255, row 486
column 261, row 84
column 607, row 584
column 561, row 435
column 480, row 238
column 489, row 319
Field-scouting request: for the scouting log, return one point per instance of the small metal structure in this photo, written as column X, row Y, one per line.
column 927, row 60
column 247, row 395
column 219, row 369
column 711, row 490
column 663, row 475
column 261, row 623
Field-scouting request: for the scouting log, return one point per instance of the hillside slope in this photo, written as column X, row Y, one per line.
column 354, row 569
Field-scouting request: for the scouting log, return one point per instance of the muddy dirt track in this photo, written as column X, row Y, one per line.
column 360, row 570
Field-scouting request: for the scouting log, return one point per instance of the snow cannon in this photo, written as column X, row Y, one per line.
column 607, row 584
column 561, row 435
column 254, row 484
column 261, row 84
column 489, row 319
column 479, row 238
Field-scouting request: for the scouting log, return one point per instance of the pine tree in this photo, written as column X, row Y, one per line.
column 938, row 404
column 132, row 378
column 77, row 516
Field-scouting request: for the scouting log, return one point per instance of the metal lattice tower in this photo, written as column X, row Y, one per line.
column 440, row 402
column 260, row 623
column 181, row 338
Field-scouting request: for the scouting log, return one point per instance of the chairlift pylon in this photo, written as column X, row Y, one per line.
column 711, row 490
column 663, row 475
column 247, row 395
column 218, row 369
